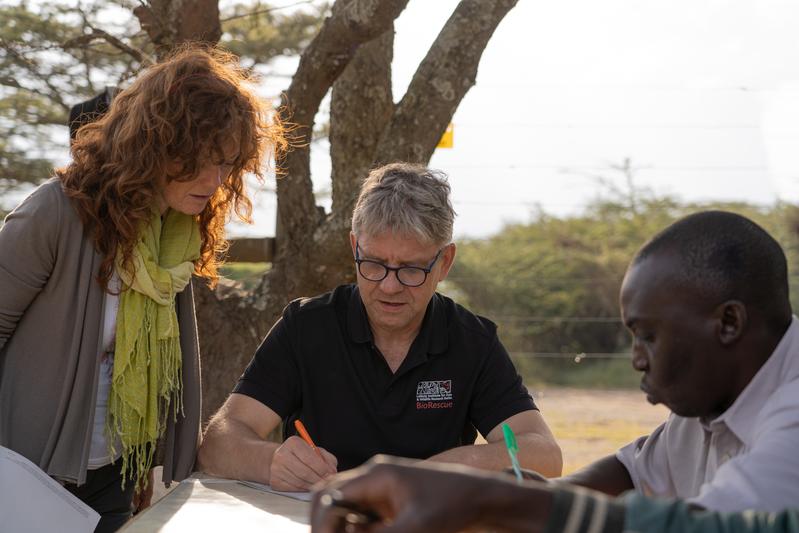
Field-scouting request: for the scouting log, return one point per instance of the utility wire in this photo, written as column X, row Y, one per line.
column 576, row 356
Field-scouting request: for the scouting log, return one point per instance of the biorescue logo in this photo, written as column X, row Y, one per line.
column 434, row 394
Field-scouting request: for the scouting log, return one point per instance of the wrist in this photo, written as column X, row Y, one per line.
column 512, row 507
column 267, row 460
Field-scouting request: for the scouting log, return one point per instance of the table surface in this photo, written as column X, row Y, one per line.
column 211, row 504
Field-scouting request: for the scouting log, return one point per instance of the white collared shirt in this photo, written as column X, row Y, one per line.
column 747, row 458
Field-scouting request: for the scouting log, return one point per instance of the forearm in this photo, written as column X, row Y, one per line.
column 536, row 452
column 232, row 450
column 676, row 516
column 584, row 511
column 606, row 475
column 508, row 507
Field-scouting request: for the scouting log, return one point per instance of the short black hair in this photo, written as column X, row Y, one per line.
column 727, row 256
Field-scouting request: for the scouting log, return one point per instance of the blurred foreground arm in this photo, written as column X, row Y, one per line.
column 433, row 498
column 445, row 498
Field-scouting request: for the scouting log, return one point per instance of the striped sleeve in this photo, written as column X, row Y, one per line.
column 578, row 510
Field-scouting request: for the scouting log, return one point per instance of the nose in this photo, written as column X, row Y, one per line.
column 391, row 283
column 211, row 176
column 640, row 361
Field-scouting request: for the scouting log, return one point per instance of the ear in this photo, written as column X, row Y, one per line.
column 732, row 320
column 447, row 259
column 353, row 242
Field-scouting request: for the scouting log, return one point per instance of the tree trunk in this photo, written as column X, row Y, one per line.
column 352, row 55
column 172, row 22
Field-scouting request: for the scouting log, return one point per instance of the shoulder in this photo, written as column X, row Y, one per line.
column 781, row 410
column 306, row 308
column 676, row 433
column 44, row 214
column 464, row 321
column 46, row 197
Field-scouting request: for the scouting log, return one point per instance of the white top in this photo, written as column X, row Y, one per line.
column 99, row 455
column 747, row 458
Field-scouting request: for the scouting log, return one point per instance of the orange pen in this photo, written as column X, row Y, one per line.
column 300, row 427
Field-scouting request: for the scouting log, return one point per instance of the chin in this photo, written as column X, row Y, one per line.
column 392, row 322
column 683, row 410
column 191, row 211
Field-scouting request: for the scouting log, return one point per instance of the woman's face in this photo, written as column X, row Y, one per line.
column 191, row 197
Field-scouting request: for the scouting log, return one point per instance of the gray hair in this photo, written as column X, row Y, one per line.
column 405, row 199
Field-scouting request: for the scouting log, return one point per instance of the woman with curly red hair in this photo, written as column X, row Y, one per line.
column 99, row 360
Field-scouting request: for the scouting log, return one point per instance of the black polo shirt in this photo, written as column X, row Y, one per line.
column 319, row 363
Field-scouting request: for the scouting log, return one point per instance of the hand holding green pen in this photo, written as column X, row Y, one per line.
column 513, row 451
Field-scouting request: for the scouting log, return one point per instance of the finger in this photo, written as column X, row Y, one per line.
column 327, row 517
column 314, row 460
column 376, row 491
column 310, row 468
column 289, row 462
column 323, row 519
column 330, row 459
column 287, row 482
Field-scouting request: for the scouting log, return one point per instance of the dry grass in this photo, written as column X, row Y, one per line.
column 590, row 424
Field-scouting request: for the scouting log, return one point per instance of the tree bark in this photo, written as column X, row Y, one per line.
column 360, row 109
column 172, row 22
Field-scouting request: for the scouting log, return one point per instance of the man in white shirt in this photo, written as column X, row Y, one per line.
column 707, row 303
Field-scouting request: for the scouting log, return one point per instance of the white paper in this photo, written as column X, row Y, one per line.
column 304, row 496
column 31, row 501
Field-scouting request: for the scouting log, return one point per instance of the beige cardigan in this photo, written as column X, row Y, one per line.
column 51, row 312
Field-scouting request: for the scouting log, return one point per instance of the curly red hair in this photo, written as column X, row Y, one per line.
column 182, row 113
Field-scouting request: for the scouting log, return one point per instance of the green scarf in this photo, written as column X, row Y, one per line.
column 147, row 360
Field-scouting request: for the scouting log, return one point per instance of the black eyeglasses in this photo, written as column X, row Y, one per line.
column 409, row 276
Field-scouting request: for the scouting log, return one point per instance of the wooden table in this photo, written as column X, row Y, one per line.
column 210, row 504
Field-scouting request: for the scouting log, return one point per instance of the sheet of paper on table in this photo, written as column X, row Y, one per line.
column 303, row 496
column 205, row 504
column 30, row 500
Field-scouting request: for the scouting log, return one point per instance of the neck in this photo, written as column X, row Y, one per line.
column 389, row 337
column 160, row 203
column 394, row 344
column 753, row 354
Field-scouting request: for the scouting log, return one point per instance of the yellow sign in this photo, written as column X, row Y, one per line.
column 447, row 140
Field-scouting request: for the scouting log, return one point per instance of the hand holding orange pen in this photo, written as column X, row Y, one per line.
column 300, row 427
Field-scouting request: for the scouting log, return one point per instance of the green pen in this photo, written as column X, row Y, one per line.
column 513, row 451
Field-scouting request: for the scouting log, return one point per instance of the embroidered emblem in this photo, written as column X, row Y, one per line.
column 429, row 394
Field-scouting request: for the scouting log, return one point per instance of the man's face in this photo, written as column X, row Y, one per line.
column 675, row 340
column 390, row 305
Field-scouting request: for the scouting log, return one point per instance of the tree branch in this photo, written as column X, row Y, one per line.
column 352, row 23
column 54, row 94
column 443, row 78
column 263, row 11
column 86, row 39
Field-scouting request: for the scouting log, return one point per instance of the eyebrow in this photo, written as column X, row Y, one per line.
column 366, row 255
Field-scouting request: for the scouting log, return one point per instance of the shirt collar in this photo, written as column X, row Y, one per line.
column 433, row 336
column 782, row 366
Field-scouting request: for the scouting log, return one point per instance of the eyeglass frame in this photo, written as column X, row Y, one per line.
column 396, row 270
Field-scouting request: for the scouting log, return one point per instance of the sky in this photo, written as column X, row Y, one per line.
column 701, row 95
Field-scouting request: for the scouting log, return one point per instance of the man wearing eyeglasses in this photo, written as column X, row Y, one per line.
column 386, row 365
